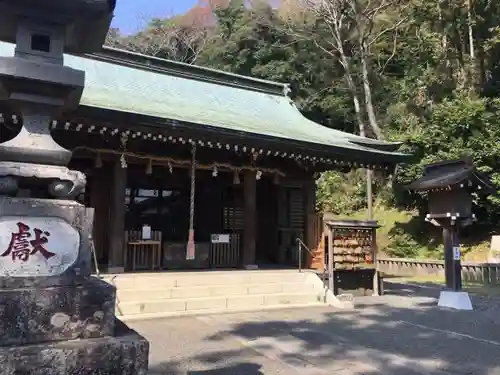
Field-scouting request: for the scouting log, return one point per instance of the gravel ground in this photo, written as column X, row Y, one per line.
column 401, row 333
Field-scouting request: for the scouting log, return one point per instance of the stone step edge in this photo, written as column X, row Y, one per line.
column 159, row 276
column 213, row 281
column 202, row 273
column 179, row 314
column 211, row 284
column 249, row 285
column 118, row 303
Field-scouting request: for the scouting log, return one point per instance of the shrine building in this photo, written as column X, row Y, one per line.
column 194, row 168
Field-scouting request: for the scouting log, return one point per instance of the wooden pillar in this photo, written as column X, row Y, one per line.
column 99, row 186
column 117, row 218
column 376, row 291
column 250, row 227
column 331, row 273
column 309, row 191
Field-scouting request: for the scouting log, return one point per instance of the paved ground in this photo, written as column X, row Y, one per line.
column 402, row 333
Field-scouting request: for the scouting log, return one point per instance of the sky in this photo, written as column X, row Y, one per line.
column 132, row 15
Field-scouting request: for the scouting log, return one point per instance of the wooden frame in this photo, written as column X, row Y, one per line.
column 145, row 250
column 350, row 241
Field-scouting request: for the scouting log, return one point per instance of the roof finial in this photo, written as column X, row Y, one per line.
column 467, row 158
column 286, row 89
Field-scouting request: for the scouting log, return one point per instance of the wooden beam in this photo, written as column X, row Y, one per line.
column 136, row 122
column 250, row 228
column 376, row 291
column 117, row 218
column 309, row 199
column 99, row 186
column 331, row 280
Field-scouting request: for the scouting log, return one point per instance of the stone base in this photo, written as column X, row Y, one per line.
column 33, row 315
column 125, row 354
column 455, row 300
column 115, row 270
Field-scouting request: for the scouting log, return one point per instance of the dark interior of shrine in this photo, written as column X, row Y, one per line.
column 161, row 200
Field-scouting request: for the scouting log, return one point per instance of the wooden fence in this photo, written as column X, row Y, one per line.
column 472, row 272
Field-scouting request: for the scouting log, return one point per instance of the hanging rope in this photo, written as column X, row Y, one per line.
column 193, row 181
column 190, row 253
column 162, row 160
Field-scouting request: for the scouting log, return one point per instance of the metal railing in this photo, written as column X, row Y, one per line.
column 301, row 246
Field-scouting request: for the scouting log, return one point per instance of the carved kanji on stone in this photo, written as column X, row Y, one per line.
column 21, row 245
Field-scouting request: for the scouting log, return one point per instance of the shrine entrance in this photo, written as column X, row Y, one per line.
column 161, row 201
column 126, row 199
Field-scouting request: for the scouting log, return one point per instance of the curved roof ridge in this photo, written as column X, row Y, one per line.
column 355, row 139
column 189, row 71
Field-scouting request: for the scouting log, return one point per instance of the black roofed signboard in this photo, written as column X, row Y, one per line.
column 449, row 185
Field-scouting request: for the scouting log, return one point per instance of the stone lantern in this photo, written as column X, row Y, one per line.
column 36, row 86
column 450, row 186
column 54, row 317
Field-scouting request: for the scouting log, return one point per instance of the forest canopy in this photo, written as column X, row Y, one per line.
column 426, row 73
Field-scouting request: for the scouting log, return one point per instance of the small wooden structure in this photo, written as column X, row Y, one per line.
column 449, row 186
column 316, row 243
column 347, row 252
column 353, row 244
column 142, row 254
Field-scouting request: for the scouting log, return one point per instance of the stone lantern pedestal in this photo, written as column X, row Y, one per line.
column 55, row 319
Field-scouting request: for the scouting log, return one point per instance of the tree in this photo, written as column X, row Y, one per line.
column 180, row 38
column 327, row 25
column 114, row 38
column 172, row 39
column 254, row 41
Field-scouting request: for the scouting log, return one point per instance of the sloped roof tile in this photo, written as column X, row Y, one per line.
column 201, row 99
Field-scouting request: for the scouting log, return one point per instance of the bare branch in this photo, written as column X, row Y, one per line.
column 338, row 18
column 394, row 49
column 385, row 31
column 168, row 40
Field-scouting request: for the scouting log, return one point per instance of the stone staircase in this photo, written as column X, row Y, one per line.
column 152, row 295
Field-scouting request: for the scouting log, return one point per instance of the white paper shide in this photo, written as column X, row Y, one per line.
column 36, row 246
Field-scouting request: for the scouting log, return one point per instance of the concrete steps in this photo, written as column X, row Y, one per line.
column 150, row 295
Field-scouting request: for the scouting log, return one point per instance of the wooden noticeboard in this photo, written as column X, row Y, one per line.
column 352, row 246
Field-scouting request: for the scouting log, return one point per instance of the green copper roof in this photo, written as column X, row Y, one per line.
column 121, row 81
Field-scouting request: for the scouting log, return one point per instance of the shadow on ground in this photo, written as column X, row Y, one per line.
column 403, row 333
column 239, row 369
